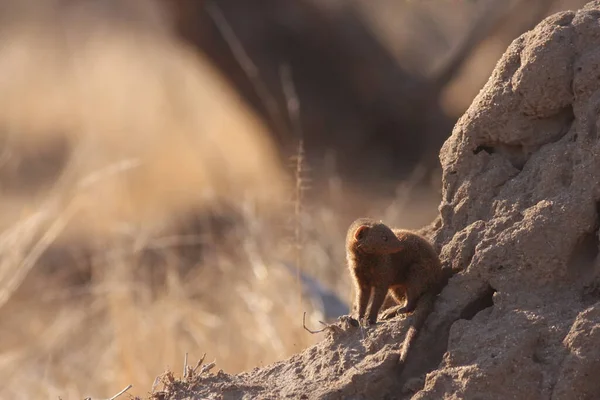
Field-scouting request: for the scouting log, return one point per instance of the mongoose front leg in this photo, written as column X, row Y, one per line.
column 363, row 293
column 378, row 299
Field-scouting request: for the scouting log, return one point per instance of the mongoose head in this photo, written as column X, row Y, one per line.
column 369, row 236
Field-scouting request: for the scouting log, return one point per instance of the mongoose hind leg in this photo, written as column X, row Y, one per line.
column 393, row 312
column 409, row 307
column 412, row 298
column 399, row 294
column 378, row 299
column 411, row 304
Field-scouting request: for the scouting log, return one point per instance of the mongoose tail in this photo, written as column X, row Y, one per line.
column 424, row 308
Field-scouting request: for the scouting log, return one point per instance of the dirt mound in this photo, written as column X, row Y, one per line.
column 519, row 219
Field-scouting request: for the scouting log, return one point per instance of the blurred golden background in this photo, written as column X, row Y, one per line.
column 177, row 176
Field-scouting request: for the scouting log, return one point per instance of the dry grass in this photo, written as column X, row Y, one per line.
column 147, row 304
column 165, row 231
column 122, row 90
column 141, row 311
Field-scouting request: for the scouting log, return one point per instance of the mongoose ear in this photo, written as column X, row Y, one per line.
column 360, row 232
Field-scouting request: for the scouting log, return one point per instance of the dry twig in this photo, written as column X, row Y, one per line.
column 207, row 367
column 199, row 363
column 327, row 326
column 155, row 384
column 121, row 392
column 185, row 366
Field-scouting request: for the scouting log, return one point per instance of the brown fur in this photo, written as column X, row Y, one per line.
column 383, row 260
column 395, row 261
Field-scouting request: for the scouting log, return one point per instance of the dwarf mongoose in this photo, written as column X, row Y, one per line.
column 381, row 260
column 395, row 261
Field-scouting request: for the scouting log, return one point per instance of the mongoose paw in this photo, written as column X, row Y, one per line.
column 393, row 312
column 387, row 315
column 362, row 322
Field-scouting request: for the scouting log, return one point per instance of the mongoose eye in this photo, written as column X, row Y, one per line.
column 384, row 237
